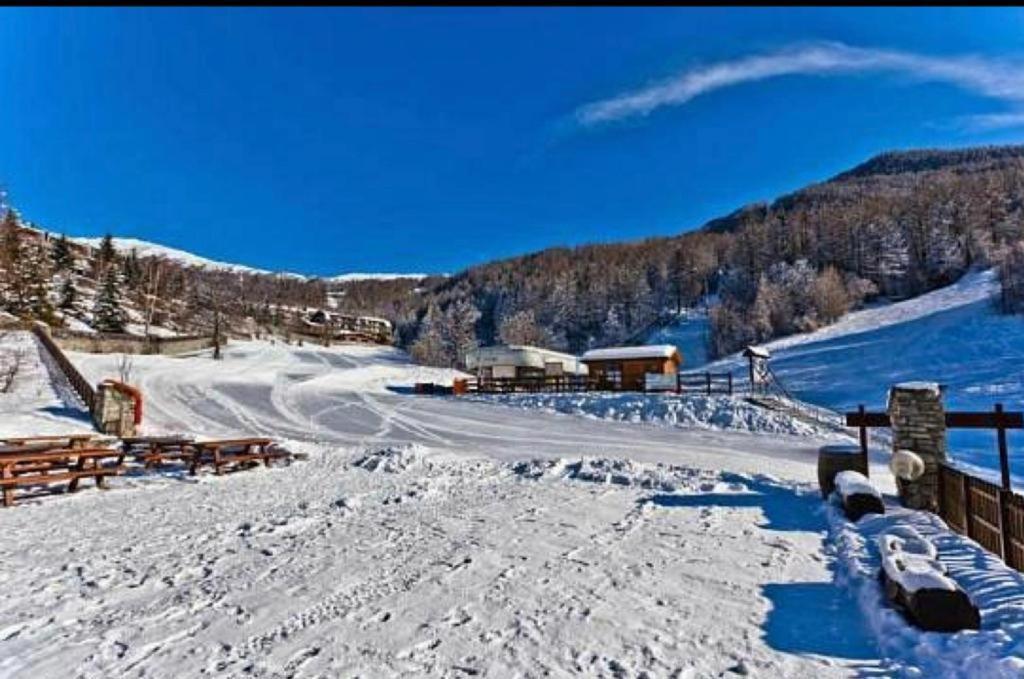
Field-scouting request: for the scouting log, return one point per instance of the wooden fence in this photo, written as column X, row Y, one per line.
column 990, row 514
column 710, row 383
column 81, row 385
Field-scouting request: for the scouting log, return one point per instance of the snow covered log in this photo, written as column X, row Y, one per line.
column 915, row 582
column 858, row 495
column 836, row 458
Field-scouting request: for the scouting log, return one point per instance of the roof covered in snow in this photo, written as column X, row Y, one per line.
column 625, row 353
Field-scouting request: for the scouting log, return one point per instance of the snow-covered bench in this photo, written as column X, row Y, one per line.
column 916, row 583
column 859, row 497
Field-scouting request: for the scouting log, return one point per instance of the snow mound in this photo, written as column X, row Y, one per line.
column 996, row 650
column 619, row 472
column 686, row 411
column 392, row 459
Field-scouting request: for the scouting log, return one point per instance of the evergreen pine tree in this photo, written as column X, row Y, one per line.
column 14, row 293
column 37, row 279
column 60, row 253
column 108, row 314
column 68, row 295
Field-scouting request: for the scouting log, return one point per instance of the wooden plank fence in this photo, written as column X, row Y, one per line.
column 990, row 514
column 81, row 385
column 707, row 382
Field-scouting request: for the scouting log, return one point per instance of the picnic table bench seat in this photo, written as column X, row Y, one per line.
column 235, row 453
column 154, row 451
column 55, row 441
column 44, row 468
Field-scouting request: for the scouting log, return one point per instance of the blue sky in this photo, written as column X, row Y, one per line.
column 332, row 140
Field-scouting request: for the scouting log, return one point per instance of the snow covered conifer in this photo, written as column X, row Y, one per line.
column 68, row 295
column 108, row 313
column 60, row 254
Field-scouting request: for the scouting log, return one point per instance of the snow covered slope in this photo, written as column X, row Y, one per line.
column 148, row 249
column 953, row 336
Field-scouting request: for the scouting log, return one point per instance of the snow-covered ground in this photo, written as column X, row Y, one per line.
column 430, row 536
column 35, row 402
column 718, row 412
column 954, row 336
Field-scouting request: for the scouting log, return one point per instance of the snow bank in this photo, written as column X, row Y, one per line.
column 619, row 472
column 687, row 411
column 996, row 650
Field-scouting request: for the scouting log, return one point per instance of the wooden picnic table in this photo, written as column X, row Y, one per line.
column 234, row 453
column 156, row 450
column 60, row 440
column 42, row 468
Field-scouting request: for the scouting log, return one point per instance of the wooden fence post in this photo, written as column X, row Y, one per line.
column 864, row 440
column 965, row 489
column 730, row 383
column 708, row 375
column 1005, row 490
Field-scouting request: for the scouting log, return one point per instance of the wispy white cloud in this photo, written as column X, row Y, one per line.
column 998, row 79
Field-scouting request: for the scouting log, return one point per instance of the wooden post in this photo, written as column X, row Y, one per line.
column 751, row 374
column 864, row 440
column 1004, row 456
column 708, row 375
column 730, row 383
column 965, row 489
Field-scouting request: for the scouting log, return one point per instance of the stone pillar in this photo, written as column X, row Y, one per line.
column 919, row 424
column 114, row 411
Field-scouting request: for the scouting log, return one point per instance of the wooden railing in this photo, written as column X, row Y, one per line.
column 81, row 385
column 707, row 382
column 990, row 514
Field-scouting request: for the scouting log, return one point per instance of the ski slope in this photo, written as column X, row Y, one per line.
column 953, row 336
column 440, row 537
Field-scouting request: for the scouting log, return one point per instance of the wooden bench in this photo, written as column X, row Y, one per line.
column 154, row 451
column 57, row 440
column 235, row 453
column 42, row 468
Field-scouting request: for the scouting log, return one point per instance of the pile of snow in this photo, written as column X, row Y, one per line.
column 392, row 459
column 616, row 471
column 996, row 650
column 717, row 412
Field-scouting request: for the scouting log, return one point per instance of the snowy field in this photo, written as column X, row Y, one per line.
column 440, row 537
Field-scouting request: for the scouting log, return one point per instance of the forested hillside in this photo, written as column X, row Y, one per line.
column 898, row 225
column 53, row 279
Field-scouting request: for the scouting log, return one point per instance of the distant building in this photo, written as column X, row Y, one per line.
column 346, row 327
column 515, row 360
column 626, row 368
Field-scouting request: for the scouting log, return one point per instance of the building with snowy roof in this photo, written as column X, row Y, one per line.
column 627, row 368
column 518, row 360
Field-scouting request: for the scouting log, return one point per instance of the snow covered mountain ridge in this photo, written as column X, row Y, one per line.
column 148, row 249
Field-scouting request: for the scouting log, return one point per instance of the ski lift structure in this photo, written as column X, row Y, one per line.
column 760, row 373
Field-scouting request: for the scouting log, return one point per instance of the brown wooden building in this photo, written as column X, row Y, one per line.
column 626, row 368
